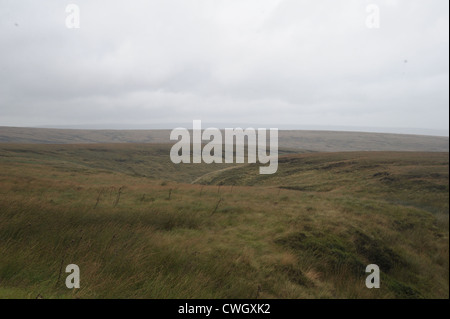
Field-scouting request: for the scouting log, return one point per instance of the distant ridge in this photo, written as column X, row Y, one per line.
column 324, row 141
column 284, row 127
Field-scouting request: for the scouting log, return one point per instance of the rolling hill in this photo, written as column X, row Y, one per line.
column 322, row 141
column 138, row 227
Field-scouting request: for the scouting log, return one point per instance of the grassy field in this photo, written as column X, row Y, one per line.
column 139, row 226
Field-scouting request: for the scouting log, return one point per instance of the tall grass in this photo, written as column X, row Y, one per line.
column 233, row 242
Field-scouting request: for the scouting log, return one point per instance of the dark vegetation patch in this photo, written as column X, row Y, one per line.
column 332, row 251
column 377, row 252
column 350, row 252
column 400, row 289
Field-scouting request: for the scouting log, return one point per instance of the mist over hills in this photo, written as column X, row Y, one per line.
column 324, row 141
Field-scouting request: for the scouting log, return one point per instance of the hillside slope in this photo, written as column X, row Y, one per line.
column 417, row 179
column 308, row 232
column 322, row 141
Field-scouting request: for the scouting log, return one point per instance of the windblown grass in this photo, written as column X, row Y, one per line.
column 307, row 232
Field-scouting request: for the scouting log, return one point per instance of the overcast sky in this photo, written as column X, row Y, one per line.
column 273, row 62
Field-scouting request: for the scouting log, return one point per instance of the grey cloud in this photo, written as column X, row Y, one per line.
column 252, row 61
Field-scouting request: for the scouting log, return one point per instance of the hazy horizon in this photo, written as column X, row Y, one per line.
column 170, row 126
